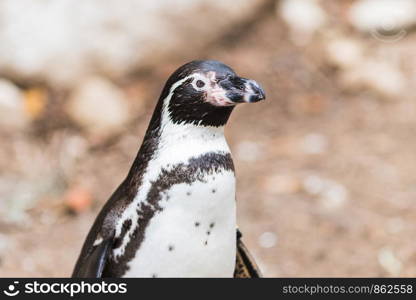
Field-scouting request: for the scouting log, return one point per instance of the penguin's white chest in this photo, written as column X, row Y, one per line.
column 194, row 235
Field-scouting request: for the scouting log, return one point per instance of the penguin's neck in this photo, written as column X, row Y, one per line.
column 167, row 144
column 180, row 142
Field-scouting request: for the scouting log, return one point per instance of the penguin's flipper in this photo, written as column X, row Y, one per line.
column 245, row 266
column 94, row 263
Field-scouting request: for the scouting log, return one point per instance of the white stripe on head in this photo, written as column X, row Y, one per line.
column 165, row 111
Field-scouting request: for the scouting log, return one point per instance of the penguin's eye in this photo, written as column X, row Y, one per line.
column 200, row 83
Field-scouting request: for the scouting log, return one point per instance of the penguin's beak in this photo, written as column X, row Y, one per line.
column 242, row 90
column 254, row 92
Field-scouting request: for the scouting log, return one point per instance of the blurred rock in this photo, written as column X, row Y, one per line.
column 344, row 52
column 99, row 106
column 78, row 200
column 35, row 102
column 73, row 147
column 12, row 110
column 304, row 18
column 63, row 41
column 315, row 143
column 365, row 68
column 267, row 240
column 331, row 195
column 313, row 184
column 334, row 196
column 384, row 78
column 378, row 16
column 389, row 262
column 17, row 198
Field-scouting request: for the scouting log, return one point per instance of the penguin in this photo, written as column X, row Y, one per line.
column 174, row 215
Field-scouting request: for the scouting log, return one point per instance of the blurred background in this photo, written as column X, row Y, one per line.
column 326, row 166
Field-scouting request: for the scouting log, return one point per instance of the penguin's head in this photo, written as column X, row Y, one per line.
column 204, row 93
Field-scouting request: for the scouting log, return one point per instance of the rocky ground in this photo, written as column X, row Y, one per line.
column 326, row 166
